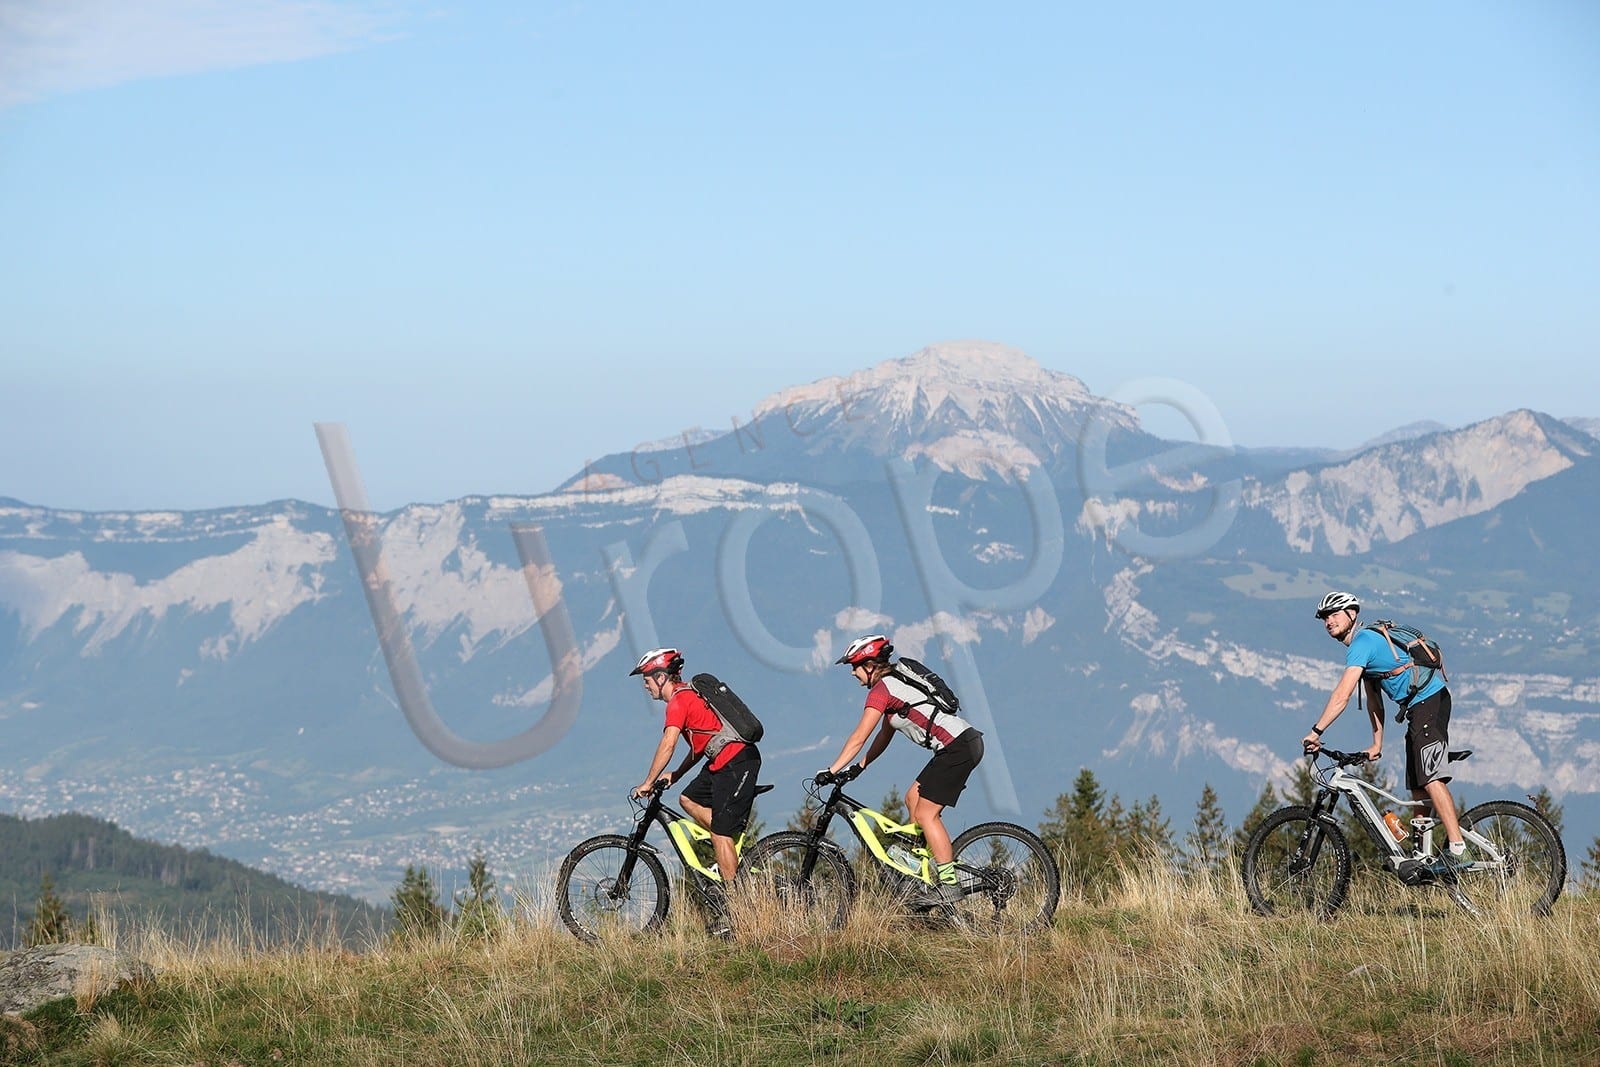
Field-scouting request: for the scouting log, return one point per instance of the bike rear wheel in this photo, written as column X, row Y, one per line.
column 1519, row 864
column 802, row 902
column 1010, row 882
column 593, row 899
column 1295, row 864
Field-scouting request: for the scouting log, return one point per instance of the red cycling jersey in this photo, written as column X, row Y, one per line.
column 689, row 712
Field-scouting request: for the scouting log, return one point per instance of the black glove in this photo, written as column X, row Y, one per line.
column 824, row 777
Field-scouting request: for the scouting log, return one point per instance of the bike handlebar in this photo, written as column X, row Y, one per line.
column 1343, row 759
column 656, row 790
column 849, row 774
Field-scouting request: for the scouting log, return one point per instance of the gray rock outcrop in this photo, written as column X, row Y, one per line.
column 49, row 972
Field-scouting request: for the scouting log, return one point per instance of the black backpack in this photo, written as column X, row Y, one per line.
column 1423, row 651
column 734, row 713
column 937, row 695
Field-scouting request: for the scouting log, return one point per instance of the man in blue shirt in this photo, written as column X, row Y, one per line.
column 1373, row 659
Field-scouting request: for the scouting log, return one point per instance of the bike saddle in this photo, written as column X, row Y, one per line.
column 763, row 789
column 1463, row 754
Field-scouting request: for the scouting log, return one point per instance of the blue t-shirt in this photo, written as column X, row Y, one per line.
column 1370, row 651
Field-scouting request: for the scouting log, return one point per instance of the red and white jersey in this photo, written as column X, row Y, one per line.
column 909, row 712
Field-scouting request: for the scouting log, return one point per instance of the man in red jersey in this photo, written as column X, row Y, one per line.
column 722, row 793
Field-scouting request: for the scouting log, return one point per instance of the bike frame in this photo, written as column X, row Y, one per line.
column 865, row 823
column 1334, row 781
column 681, row 830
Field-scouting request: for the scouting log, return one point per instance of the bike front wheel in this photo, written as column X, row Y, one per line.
column 795, row 895
column 1296, row 864
column 1010, row 883
column 594, row 896
column 1519, row 864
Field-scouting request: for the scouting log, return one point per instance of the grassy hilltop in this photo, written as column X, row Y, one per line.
column 1157, row 972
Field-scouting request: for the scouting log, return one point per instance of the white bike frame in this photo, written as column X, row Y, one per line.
column 1361, row 794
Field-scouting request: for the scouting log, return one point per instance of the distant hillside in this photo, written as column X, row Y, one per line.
column 1588, row 426
column 144, row 882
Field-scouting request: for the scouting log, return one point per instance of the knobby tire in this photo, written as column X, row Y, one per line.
column 1296, row 864
column 1533, row 869
column 820, row 901
column 586, row 890
column 1011, row 881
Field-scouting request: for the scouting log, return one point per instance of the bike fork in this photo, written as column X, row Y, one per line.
column 1305, row 856
column 619, row 888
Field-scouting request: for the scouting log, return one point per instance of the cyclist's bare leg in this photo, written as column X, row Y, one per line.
column 1444, row 808
column 727, row 859
column 698, row 812
column 925, row 813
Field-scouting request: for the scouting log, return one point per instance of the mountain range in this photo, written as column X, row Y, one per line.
column 1099, row 597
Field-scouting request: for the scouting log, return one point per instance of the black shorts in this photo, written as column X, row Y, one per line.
column 1428, row 741
column 946, row 774
column 728, row 791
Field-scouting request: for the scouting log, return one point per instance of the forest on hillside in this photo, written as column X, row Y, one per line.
column 97, row 868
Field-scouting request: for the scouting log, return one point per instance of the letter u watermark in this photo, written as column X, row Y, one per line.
column 363, row 528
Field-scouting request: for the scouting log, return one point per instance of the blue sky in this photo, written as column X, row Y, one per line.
column 497, row 240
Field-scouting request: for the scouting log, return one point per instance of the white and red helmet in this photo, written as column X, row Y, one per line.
column 658, row 659
column 862, row 649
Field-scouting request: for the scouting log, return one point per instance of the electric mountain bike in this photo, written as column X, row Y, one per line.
column 1298, row 860
column 1007, row 880
column 618, row 882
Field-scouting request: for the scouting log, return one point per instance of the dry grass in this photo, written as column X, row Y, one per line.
column 1162, row 971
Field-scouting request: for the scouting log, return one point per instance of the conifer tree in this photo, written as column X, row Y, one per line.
column 1302, row 787
column 51, row 923
column 1115, row 821
column 1546, row 805
column 1075, row 831
column 1150, row 830
column 1265, row 805
column 1591, row 866
column 417, row 912
column 1205, row 847
column 478, row 911
column 894, row 805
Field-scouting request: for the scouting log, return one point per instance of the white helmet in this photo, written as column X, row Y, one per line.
column 1337, row 601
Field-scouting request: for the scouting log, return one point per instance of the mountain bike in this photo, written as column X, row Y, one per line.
column 1298, row 859
column 618, row 882
column 1008, row 881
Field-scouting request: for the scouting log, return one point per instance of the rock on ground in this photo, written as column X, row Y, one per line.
column 49, row 972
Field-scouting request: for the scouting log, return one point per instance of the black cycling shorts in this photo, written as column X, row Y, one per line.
column 946, row 774
column 1428, row 741
column 728, row 791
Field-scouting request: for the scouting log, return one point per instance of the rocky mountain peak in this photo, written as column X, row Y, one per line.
column 973, row 377
column 1388, row 493
column 970, row 406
